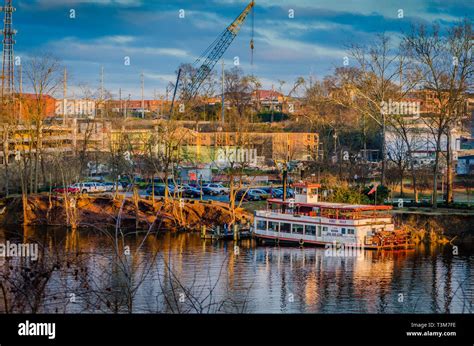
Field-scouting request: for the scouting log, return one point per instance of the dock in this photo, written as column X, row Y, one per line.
column 217, row 233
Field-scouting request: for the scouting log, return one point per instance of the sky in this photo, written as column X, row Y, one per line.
column 314, row 41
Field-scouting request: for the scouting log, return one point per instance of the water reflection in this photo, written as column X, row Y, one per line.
column 181, row 273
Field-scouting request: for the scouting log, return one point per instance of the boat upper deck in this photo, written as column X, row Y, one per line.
column 330, row 205
column 329, row 210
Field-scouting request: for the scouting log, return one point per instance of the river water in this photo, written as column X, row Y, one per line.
column 80, row 271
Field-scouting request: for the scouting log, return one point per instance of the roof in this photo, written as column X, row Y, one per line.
column 329, row 205
column 267, row 94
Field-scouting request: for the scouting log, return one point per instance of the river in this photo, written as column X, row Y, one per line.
column 80, row 271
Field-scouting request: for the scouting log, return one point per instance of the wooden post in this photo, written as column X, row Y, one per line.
column 203, row 231
column 236, row 232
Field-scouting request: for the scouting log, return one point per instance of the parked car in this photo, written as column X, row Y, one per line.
column 251, row 195
column 277, row 193
column 88, row 187
column 160, row 190
column 192, row 192
column 257, row 195
column 68, row 189
column 101, row 187
column 273, row 191
column 112, row 187
column 214, row 189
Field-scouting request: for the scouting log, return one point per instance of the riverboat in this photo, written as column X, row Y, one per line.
column 305, row 220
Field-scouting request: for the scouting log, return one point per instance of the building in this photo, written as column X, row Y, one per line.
column 21, row 140
column 32, row 104
column 465, row 165
column 268, row 100
column 137, row 107
column 195, row 174
column 421, row 137
column 192, row 148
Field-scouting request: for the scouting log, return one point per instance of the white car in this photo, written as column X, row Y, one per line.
column 101, row 187
column 88, row 187
column 215, row 189
column 112, row 187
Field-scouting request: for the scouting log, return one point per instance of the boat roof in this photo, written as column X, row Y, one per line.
column 329, row 205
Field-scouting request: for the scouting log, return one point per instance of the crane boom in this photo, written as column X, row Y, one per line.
column 211, row 56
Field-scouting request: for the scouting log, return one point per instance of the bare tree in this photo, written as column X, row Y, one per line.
column 43, row 74
column 447, row 65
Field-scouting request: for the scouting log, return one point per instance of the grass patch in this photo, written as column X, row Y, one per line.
column 254, row 205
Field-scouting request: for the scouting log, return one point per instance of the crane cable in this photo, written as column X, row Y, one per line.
column 251, row 40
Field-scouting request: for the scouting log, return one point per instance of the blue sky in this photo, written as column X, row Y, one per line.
column 151, row 33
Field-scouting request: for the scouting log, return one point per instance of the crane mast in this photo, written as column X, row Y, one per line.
column 211, row 56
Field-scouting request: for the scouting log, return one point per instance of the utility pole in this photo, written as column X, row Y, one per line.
column 21, row 90
column 223, row 93
column 384, row 150
column 154, row 100
column 271, row 105
column 65, row 96
column 102, row 83
column 101, row 100
column 120, row 100
column 126, row 105
column 143, row 97
column 8, row 68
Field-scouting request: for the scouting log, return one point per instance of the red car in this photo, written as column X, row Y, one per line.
column 66, row 190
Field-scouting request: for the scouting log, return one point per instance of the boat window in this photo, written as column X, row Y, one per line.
column 285, row 227
column 343, row 230
column 350, row 231
column 325, row 229
column 319, row 231
column 298, row 229
column 310, row 229
column 262, row 224
column 273, row 226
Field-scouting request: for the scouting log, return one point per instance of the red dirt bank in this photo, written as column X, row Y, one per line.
column 104, row 211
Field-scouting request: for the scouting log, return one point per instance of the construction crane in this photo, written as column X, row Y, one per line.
column 211, row 56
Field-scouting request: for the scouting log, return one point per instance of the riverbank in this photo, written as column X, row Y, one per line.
column 455, row 225
column 107, row 211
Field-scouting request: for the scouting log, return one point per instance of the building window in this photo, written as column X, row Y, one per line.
column 298, row 229
column 261, row 224
column 310, row 230
column 285, row 227
column 273, row 226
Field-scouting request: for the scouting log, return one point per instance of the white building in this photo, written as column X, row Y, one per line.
column 422, row 143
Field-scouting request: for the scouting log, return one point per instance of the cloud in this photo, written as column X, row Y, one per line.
column 119, row 44
column 157, row 41
column 63, row 3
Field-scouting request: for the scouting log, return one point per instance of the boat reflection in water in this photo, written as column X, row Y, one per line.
column 180, row 272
